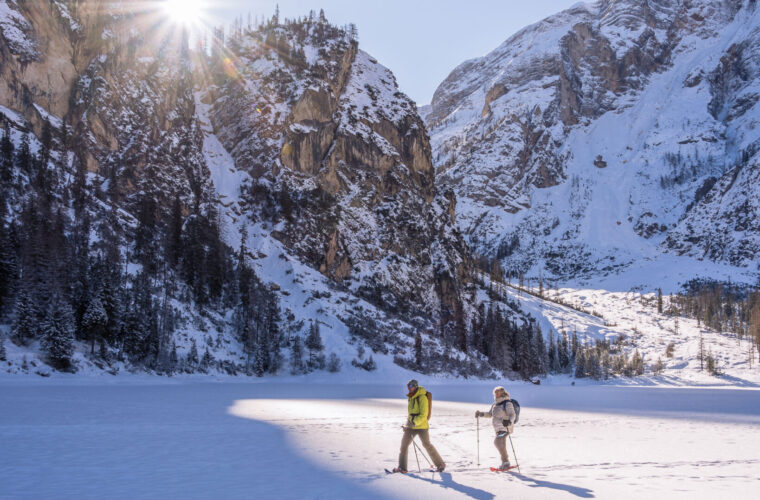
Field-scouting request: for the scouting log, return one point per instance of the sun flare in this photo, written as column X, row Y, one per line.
column 185, row 12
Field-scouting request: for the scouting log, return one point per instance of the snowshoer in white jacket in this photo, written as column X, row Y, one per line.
column 502, row 415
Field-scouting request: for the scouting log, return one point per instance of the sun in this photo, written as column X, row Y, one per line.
column 185, row 12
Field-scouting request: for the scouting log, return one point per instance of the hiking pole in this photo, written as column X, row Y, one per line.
column 423, row 453
column 416, row 456
column 514, row 453
column 478, row 420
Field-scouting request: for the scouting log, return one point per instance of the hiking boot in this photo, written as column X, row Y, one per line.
column 438, row 469
column 398, row 469
column 505, row 465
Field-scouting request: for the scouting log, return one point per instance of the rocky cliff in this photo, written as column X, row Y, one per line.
column 340, row 160
column 196, row 191
column 610, row 132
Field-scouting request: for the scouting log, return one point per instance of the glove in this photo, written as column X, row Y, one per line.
column 478, row 414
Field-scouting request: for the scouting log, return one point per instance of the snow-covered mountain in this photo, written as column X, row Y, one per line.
column 158, row 174
column 610, row 133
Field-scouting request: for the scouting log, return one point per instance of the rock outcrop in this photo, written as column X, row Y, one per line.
column 341, row 160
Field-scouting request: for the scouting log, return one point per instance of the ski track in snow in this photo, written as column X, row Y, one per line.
column 169, row 439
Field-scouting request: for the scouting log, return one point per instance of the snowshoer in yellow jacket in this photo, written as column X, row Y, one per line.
column 417, row 425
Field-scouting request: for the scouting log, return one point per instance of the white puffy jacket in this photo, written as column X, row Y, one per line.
column 498, row 414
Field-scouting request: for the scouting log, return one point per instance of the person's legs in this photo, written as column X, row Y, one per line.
column 434, row 456
column 501, row 444
column 405, row 442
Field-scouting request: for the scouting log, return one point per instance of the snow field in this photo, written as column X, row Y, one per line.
column 69, row 439
column 634, row 315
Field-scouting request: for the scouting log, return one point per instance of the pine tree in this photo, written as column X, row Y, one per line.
column 606, row 364
column 711, row 364
column 637, row 363
column 24, row 155
column 659, row 300
column 296, row 356
column 593, row 363
column 314, row 343
column 192, row 356
column 563, row 354
column 370, row 365
column 206, row 361
column 58, row 336
column 24, row 326
column 580, row 363
column 658, row 367
column 6, row 156
column 95, row 320
column 701, row 351
column 333, row 363
column 3, row 354
column 259, row 361
column 418, row 351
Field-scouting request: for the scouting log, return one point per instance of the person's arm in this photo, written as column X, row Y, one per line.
column 484, row 414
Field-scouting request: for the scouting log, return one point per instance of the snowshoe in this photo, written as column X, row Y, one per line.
column 395, row 470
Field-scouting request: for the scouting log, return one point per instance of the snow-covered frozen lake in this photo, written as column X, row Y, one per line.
column 158, row 438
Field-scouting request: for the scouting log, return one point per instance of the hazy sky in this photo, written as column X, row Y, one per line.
column 421, row 41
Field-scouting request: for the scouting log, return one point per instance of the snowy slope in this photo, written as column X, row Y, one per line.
column 609, row 134
column 600, row 314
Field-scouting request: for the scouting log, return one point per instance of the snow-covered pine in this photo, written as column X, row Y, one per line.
column 297, row 365
column 58, row 334
column 25, row 319
column 94, row 321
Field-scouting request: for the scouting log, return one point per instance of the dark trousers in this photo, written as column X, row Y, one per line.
column 409, row 435
column 501, row 444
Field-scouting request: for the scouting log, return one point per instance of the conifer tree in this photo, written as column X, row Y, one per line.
column 333, row 363
column 314, row 339
column 206, row 361
column 24, row 326
column 580, row 363
column 637, row 363
column 192, row 356
column 58, row 334
column 259, row 361
column 6, row 156
column 296, row 356
column 24, row 155
column 95, row 320
column 418, row 351
column 3, row 354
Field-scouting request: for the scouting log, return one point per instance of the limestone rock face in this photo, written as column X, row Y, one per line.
column 341, row 160
column 128, row 108
column 620, row 108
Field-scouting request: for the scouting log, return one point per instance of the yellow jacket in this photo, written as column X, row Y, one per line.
column 418, row 410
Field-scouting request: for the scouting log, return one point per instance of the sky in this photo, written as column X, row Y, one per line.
column 421, row 41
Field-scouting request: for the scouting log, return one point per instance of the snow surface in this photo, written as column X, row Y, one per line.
column 186, row 439
column 633, row 315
